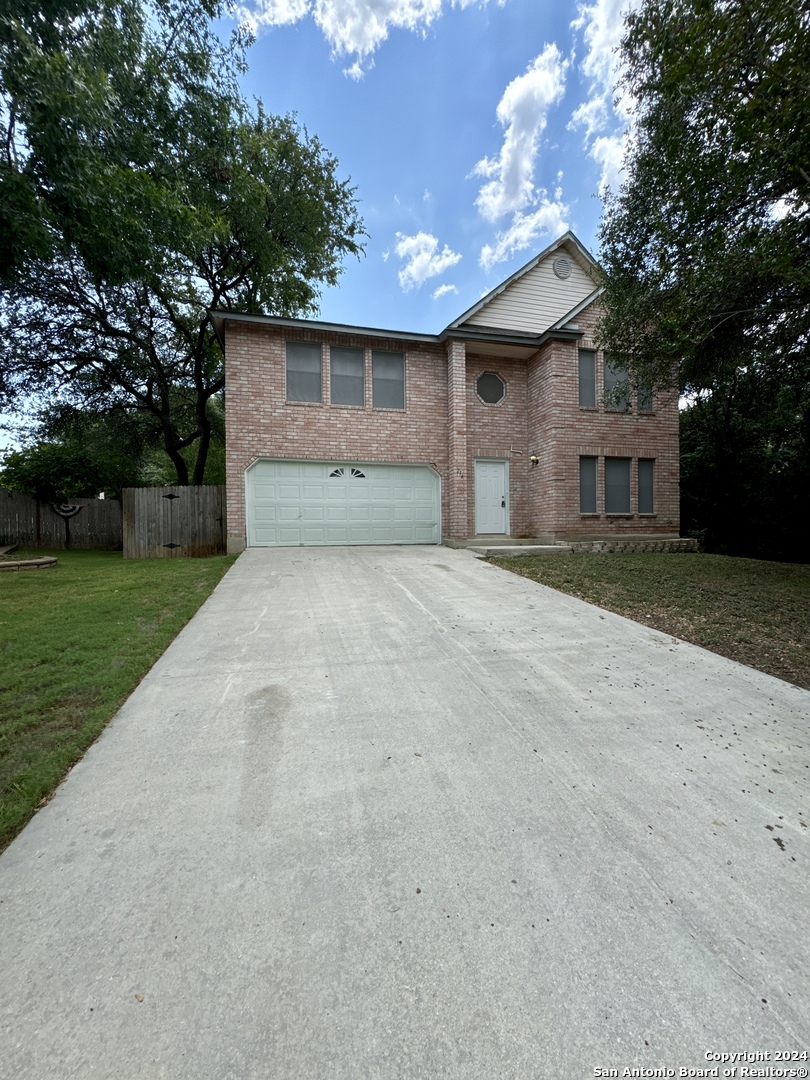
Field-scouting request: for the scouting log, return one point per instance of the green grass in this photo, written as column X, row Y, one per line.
column 75, row 640
column 748, row 610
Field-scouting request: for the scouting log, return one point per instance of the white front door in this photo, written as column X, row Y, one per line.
column 491, row 497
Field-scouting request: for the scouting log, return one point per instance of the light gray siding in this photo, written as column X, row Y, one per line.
column 537, row 299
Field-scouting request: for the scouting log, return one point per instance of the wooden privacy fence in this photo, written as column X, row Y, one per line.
column 167, row 522
column 81, row 525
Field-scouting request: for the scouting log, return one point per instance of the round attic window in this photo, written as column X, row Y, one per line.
column 562, row 267
column 491, row 388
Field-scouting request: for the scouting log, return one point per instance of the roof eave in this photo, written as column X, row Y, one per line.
column 566, row 238
column 572, row 314
column 219, row 318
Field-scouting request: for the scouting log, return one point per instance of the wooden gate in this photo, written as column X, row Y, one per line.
column 169, row 522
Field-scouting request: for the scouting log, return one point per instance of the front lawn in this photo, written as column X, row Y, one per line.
column 75, row 640
column 746, row 609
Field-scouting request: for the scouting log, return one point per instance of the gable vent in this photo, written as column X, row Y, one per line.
column 561, row 267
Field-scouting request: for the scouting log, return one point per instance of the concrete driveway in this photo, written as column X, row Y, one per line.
column 395, row 813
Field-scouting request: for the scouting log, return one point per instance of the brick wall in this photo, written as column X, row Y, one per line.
column 260, row 423
column 498, row 431
column 446, row 424
column 571, row 431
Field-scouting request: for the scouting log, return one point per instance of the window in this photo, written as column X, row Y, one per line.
column 587, row 485
column 347, row 382
column 587, row 379
column 491, row 388
column 617, row 485
column 617, row 387
column 388, row 379
column 303, row 371
column 646, row 473
column 355, row 474
column 645, row 398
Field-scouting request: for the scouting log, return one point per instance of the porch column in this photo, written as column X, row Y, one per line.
column 455, row 525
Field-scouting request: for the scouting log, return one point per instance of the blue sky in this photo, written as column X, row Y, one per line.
column 475, row 132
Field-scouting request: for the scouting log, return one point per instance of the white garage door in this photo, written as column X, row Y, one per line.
column 338, row 502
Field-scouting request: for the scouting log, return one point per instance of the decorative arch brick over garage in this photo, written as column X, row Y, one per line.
column 348, row 434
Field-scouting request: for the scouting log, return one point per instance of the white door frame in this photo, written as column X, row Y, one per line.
column 504, row 463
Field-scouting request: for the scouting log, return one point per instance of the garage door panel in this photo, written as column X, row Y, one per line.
column 321, row 502
column 288, row 536
column 288, row 512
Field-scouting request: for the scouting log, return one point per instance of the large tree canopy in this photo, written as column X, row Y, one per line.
column 705, row 255
column 138, row 191
column 705, row 246
column 101, row 101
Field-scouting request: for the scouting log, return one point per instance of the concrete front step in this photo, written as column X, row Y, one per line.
column 501, row 551
column 506, row 546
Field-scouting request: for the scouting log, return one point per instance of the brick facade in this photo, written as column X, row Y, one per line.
column 446, row 425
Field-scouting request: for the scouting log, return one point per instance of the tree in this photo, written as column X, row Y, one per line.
column 73, row 455
column 100, row 100
column 745, row 468
column 214, row 207
column 704, row 254
column 704, row 249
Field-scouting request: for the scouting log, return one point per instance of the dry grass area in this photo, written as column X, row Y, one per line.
column 749, row 610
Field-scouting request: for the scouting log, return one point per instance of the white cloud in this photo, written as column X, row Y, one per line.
column 548, row 219
column 604, row 116
column 422, row 259
column 443, row 290
column 592, row 115
column 523, row 112
column 602, row 24
column 352, row 27
column 608, row 152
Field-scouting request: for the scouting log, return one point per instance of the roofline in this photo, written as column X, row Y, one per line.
column 566, row 238
column 572, row 314
column 490, row 335
column 218, row 318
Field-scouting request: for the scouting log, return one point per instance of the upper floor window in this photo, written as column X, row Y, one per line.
column 587, row 379
column 304, row 372
column 388, row 379
column 491, row 388
column 617, row 387
column 347, row 377
column 645, row 398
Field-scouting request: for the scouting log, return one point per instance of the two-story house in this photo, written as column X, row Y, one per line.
column 510, row 422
